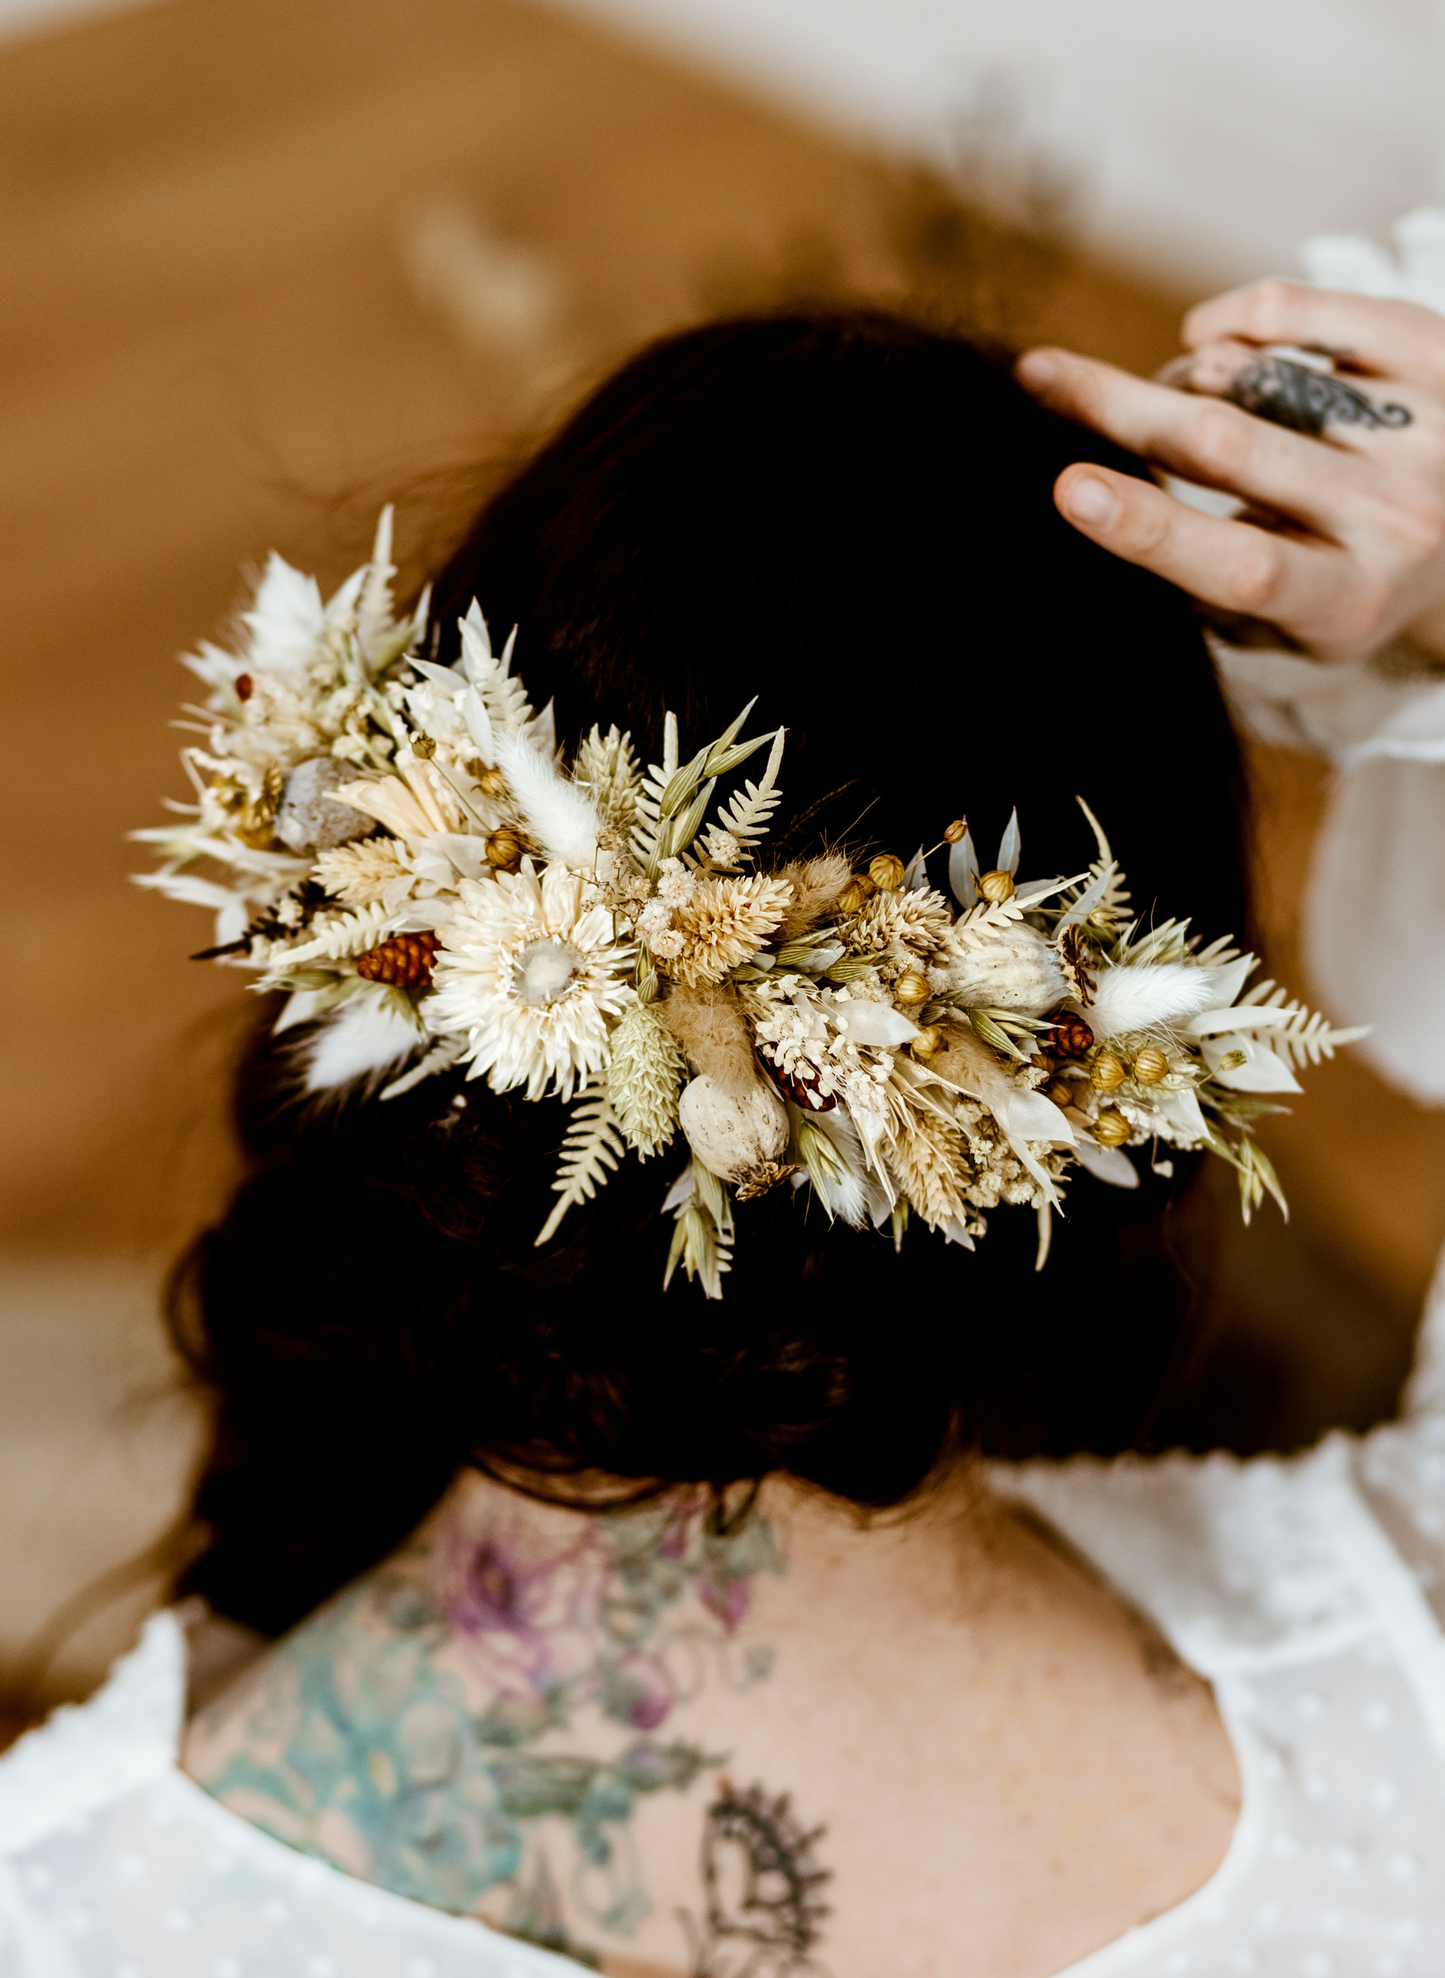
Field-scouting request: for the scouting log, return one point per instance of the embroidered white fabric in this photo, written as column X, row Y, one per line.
column 1310, row 1592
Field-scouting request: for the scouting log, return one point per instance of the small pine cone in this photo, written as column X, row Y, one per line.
column 403, row 962
column 1070, row 1037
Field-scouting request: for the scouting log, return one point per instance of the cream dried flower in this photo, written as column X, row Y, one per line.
column 361, row 873
column 722, row 847
column 532, row 977
column 644, row 1076
column 655, row 919
column 675, row 883
column 724, row 922
column 905, row 927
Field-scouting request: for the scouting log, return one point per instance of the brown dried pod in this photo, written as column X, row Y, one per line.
column 912, row 988
column 886, row 872
column 1070, row 1037
column 1106, row 1072
column 1150, row 1065
column 955, row 833
column 997, row 886
column 1111, row 1129
column 504, row 849
column 404, row 962
column 928, row 1041
column 1060, row 1092
column 245, row 686
column 492, row 783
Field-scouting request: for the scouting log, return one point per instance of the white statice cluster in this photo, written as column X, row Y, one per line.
column 402, row 848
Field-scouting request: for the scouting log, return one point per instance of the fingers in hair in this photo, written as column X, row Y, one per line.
column 1392, row 339
column 1327, row 489
column 1231, row 565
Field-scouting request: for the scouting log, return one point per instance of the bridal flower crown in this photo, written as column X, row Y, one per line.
column 405, row 853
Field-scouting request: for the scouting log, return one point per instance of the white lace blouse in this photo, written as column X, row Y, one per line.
column 1310, row 1593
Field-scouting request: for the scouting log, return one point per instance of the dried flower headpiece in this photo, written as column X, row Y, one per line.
column 409, row 858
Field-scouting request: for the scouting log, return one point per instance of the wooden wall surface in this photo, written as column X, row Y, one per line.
column 209, row 345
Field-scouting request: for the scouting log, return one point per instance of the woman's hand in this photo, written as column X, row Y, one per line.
column 1341, row 546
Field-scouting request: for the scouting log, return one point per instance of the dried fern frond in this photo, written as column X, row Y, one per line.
column 747, row 816
column 606, row 768
column 976, row 927
column 360, row 873
column 336, row 937
column 1307, row 1036
column 590, row 1153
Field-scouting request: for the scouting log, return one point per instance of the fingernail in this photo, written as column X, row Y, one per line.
column 1092, row 502
column 1038, row 369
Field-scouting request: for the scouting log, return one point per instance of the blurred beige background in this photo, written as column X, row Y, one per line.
column 267, row 263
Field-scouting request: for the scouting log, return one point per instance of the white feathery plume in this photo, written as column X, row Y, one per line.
column 562, row 820
column 368, row 1034
column 1142, row 997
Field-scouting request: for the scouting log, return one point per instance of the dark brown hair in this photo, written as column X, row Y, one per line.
column 852, row 517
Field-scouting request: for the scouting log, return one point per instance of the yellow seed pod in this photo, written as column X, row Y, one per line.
column 504, row 849
column 1060, row 1092
column 1111, row 1129
column 1106, row 1071
column 492, row 783
column 928, row 1040
column 857, row 893
column 1150, row 1065
column 886, row 872
column 955, row 833
column 912, row 988
column 997, row 886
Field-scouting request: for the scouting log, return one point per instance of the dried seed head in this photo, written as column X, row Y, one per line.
column 956, row 832
column 856, row 894
column 997, row 886
column 1106, row 1072
column 886, row 872
column 912, row 988
column 929, row 1040
column 492, row 783
column 1111, row 1129
column 1060, row 1092
column 504, row 849
column 1150, row 1065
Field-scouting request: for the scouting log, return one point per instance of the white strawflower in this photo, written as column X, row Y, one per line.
column 532, row 978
